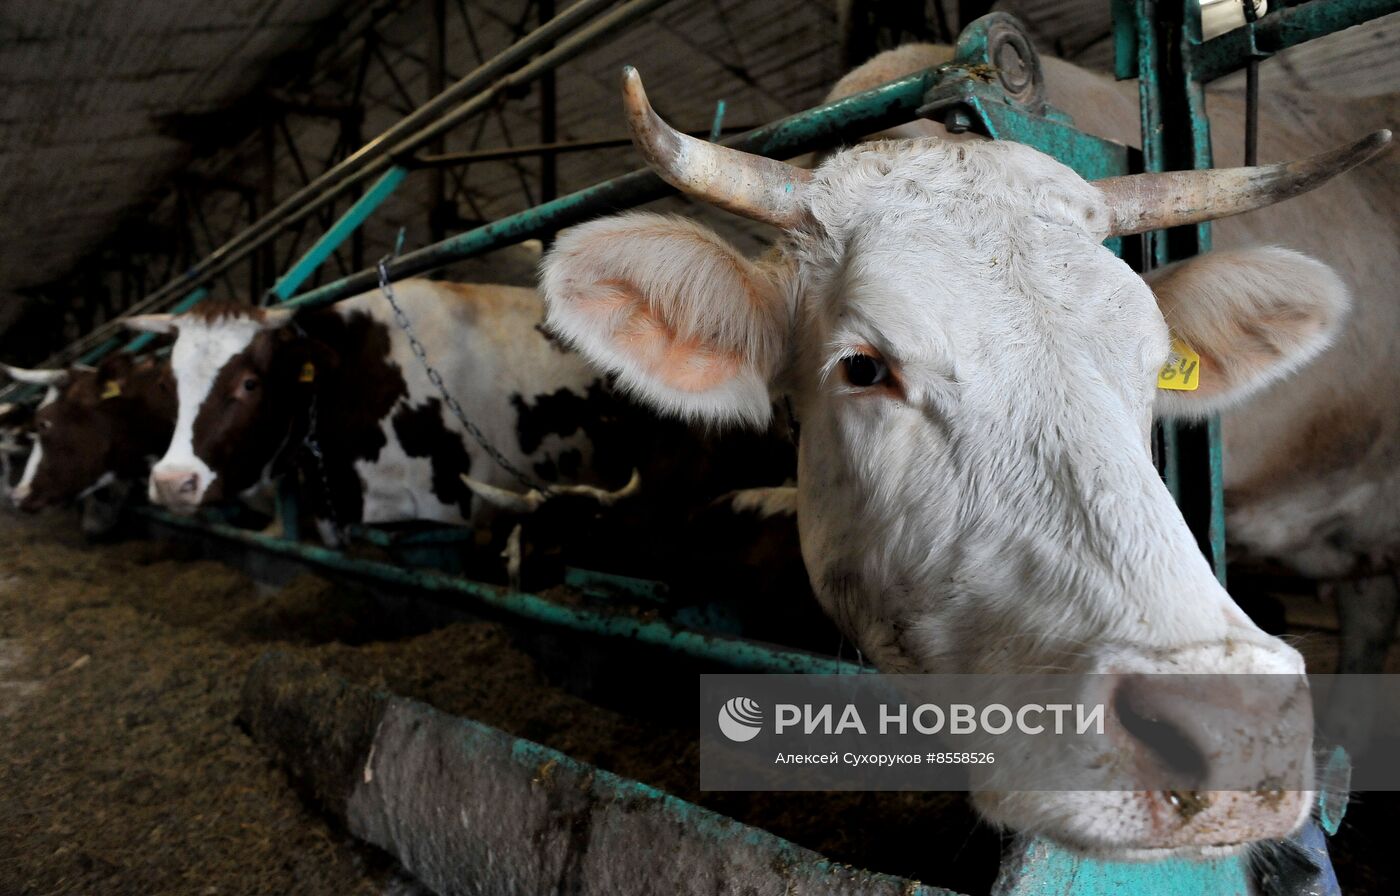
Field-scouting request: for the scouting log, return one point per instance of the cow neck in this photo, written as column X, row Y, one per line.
column 301, row 432
column 357, row 385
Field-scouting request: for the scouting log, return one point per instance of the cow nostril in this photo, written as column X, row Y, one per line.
column 1165, row 740
column 189, row 485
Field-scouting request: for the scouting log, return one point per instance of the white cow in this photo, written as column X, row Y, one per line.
column 975, row 379
column 1312, row 462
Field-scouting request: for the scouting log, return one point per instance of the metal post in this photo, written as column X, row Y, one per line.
column 549, row 167
column 1173, row 102
column 346, row 225
column 437, row 75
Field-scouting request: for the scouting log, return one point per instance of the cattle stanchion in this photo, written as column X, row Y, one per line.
column 734, row 653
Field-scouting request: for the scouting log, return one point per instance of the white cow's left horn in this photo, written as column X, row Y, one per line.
column 755, row 187
column 1143, row 202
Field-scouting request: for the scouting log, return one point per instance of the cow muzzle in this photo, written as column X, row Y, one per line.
column 179, row 490
column 1206, row 750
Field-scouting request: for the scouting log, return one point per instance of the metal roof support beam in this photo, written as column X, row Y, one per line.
column 404, row 137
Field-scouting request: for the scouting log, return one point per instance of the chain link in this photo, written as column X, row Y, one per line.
column 314, row 447
column 435, row 378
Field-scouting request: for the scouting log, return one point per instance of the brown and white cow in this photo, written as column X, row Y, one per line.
column 94, row 427
column 1312, row 462
column 975, row 378
column 252, row 384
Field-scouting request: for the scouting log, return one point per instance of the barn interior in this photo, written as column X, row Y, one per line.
column 156, row 155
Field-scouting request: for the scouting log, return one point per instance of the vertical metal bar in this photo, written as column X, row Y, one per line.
column 267, row 255
column 549, row 122
column 1176, row 135
column 437, row 78
column 1251, row 93
column 288, row 508
column 342, row 228
column 717, row 126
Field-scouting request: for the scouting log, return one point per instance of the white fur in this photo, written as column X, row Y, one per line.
column 201, row 350
column 487, row 349
column 36, row 455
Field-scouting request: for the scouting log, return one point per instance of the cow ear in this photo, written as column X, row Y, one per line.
column 150, row 323
column 685, row 321
column 1254, row 316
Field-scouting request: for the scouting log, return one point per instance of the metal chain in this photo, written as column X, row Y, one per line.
column 436, row 379
column 314, row 447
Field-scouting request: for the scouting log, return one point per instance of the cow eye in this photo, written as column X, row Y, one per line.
column 250, row 385
column 863, row 371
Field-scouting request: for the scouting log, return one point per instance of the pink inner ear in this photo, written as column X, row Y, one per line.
column 686, row 364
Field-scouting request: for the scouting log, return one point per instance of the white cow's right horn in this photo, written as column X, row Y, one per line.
column 755, row 187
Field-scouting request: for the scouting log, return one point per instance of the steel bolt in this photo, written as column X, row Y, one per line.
column 957, row 121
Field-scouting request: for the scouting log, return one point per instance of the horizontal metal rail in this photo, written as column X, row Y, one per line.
column 1280, row 29
column 735, row 653
column 482, row 87
column 817, row 128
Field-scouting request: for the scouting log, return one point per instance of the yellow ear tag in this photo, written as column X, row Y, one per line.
column 308, row 373
column 1182, row 372
column 110, row 389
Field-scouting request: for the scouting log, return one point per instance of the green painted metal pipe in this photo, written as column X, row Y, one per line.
column 816, row 128
column 736, row 653
column 338, row 233
column 1279, row 30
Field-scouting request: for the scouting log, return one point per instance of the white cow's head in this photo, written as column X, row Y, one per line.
column 974, row 375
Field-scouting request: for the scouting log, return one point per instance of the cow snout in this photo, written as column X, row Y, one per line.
column 176, row 489
column 1215, row 757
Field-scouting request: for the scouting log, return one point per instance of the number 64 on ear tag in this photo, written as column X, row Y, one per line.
column 1182, row 372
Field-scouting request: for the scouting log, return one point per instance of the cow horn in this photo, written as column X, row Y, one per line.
column 1143, row 202
column 150, row 323
column 515, row 502
column 755, row 187
column 604, row 497
column 276, row 318
column 36, row 377
column 529, row 502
